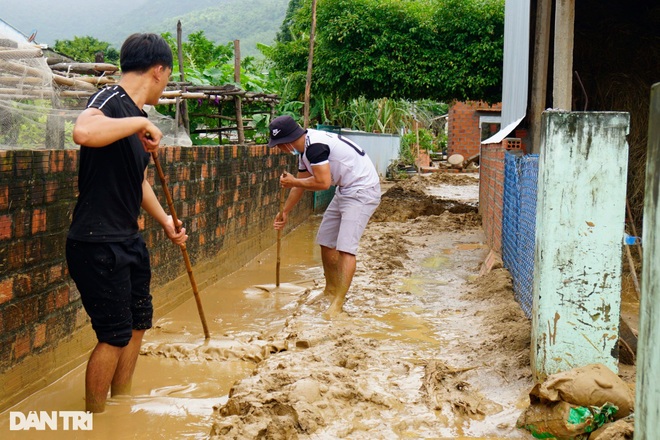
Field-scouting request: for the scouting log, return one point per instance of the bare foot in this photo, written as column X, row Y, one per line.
column 335, row 309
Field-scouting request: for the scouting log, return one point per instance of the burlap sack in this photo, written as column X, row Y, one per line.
column 591, row 385
column 623, row 429
column 554, row 420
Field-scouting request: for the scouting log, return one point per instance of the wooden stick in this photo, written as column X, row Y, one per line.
column 279, row 240
column 85, row 68
column 310, row 63
column 184, row 251
column 63, row 80
column 633, row 272
column 634, row 229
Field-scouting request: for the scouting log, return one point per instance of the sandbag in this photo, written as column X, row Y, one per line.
column 622, row 429
column 563, row 421
column 591, row 385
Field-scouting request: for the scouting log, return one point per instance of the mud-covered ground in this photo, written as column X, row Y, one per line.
column 425, row 347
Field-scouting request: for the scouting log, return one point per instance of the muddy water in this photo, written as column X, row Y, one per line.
column 179, row 377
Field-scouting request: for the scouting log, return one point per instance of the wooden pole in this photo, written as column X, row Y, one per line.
column 634, row 229
column 237, row 99
column 310, row 62
column 633, row 271
column 184, row 250
column 185, row 121
column 417, row 159
column 540, row 71
column 562, row 87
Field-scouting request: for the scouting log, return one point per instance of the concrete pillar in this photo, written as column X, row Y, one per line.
column 580, row 216
column 647, row 404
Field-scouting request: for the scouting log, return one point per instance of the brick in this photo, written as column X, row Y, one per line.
column 21, row 346
column 5, row 227
column 39, row 336
column 56, row 161
column 38, row 221
column 71, row 160
column 6, row 290
column 15, row 255
column 40, row 162
column 62, row 297
column 4, row 197
column 22, row 284
column 55, row 273
column 51, row 191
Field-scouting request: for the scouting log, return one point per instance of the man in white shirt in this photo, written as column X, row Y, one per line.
column 327, row 159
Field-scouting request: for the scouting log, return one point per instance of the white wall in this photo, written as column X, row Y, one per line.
column 382, row 149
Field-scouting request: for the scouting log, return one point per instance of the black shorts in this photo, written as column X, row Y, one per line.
column 113, row 280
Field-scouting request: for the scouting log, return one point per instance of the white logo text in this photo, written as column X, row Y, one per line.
column 51, row 420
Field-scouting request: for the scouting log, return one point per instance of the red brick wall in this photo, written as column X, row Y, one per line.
column 491, row 193
column 226, row 196
column 463, row 131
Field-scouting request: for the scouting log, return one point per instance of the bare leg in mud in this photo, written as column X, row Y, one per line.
column 123, row 378
column 110, row 366
column 329, row 258
column 339, row 269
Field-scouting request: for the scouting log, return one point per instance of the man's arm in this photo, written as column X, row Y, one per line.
column 294, row 197
column 94, row 129
column 153, row 207
column 321, row 180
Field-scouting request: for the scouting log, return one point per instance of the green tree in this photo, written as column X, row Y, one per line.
column 438, row 49
column 209, row 64
column 84, row 49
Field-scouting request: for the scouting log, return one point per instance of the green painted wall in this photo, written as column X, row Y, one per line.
column 579, row 230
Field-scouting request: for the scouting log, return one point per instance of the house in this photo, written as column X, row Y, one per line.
column 577, row 84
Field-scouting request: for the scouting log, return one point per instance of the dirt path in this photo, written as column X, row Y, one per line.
column 425, row 348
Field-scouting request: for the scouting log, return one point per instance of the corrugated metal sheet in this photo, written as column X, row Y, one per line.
column 515, row 81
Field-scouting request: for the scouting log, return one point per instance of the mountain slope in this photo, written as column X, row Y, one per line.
column 251, row 21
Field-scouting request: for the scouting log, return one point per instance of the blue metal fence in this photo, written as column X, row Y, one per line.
column 519, row 224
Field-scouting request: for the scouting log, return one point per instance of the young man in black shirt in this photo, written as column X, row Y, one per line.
column 106, row 255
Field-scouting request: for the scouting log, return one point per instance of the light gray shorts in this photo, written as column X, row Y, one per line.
column 346, row 218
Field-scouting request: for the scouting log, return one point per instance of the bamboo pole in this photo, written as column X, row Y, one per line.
column 62, row 80
column 279, row 239
column 85, row 68
column 14, row 80
column 22, row 69
column 182, row 76
column 19, row 54
column 184, row 250
column 237, row 100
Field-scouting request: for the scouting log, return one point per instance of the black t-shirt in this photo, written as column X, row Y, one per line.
column 110, row 178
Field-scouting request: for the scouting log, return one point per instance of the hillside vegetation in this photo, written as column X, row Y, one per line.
column 251, row 21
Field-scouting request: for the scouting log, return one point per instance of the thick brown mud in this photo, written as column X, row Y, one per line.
column 425, row 347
